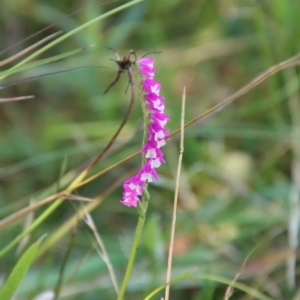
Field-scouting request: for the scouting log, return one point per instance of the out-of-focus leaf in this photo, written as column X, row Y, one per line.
column 19, row 271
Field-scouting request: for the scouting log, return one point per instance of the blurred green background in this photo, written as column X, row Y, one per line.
column 240, row 182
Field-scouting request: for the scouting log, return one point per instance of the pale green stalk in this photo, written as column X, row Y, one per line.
column 142, row 209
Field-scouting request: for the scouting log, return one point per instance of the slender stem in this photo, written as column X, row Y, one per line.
column 2, row 100
column 26, row 50
column 101, row 249
column 145, row 113
column 64, row 264
column 137, row 236
column 172, row 234
column 294, row 198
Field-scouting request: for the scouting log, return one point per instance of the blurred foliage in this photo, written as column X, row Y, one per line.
column 238, row 165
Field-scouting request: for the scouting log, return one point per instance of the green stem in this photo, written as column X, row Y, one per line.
column 143, row 204
column 138, row 232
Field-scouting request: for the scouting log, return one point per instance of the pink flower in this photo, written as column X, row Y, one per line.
column 130, row 200
column 151, row 86
column 159, row 117
column 155, row 103
column 147, row 172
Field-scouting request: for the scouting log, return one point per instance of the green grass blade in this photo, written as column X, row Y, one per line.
column 40, row 62
column 72, row 32
column 19, row 271
column 250, row 291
